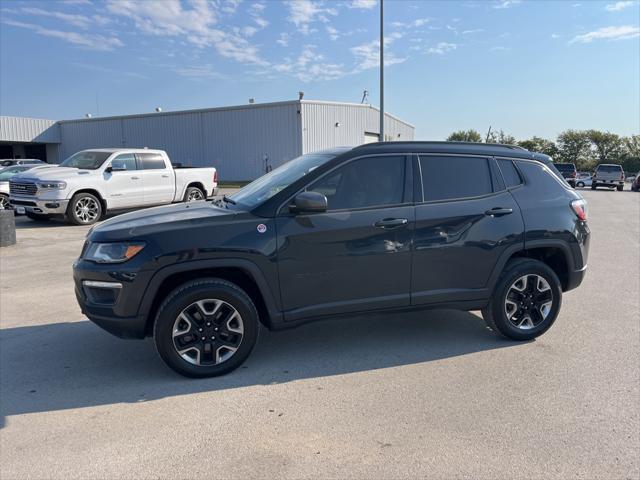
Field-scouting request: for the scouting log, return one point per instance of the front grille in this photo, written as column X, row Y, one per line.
column 22, row 188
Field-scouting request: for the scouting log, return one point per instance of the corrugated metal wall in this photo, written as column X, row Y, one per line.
column 21, row 129
column 319, row 120
column 234, row 140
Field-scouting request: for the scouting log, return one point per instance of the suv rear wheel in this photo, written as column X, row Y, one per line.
column 526, row 300
column 206, row 328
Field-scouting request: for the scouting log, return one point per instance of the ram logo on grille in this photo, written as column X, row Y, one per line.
column 23, row 188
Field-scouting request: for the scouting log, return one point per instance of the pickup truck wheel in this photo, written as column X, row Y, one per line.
column 593, row 186
column 84, row 209
column 193, row 194
column 620, row 187
column 206, row 328
column 4, row 203
column 526, row 300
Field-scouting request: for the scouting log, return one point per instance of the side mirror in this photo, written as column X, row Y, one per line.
column 116, row 167
column 309, row 202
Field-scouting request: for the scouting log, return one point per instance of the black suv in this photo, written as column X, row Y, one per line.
column 569, row 172
column 380, row 227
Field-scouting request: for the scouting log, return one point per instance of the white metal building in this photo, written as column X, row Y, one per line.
column 240, row 141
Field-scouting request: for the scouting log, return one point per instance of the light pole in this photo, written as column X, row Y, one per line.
column 382, row 70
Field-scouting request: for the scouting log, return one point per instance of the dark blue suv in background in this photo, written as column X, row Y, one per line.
column 380, row 227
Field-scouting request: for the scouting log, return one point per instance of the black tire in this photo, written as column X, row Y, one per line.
column 182, row 299
column 93, row 214
column 194, row 192
column 37, row 217
column 620, row 188
column 593, row 186
column 495, row 314
column 580, row 184
column 4, row 202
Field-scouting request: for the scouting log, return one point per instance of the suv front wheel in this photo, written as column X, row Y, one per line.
column 206, row 328
column 526, row 300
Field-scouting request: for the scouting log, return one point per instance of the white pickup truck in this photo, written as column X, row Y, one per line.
column 88, row 184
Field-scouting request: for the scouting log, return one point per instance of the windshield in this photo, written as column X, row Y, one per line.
column 88, row 160
column 7, row 173
column 273, row 182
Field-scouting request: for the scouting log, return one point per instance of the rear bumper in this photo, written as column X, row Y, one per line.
column 575, row 278
column 42, row 207
column 608, row 183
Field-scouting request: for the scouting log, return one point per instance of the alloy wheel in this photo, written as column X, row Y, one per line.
column 4, row 203
column 208, row 332
column 528, row 302
column 87, row 209
column 195, row 195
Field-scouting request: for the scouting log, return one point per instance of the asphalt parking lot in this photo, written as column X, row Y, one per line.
column 430, row 394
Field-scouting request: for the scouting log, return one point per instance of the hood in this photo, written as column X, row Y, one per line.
column 52, row 173
column 158, row 219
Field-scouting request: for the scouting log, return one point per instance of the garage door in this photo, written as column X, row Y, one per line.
column 371, row 137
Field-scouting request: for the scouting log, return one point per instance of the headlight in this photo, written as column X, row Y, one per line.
column 112, row 252
column 52, row 185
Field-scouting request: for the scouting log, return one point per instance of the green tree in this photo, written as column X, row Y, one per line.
column 630, row 157
column 501, row 137
column 606, row 146
column 574, row 146
column 541, row 145
column 464, row 136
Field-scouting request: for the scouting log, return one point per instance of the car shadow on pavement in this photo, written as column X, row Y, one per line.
column 74, row 365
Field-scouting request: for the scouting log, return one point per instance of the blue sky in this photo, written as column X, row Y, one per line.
column 528, row 67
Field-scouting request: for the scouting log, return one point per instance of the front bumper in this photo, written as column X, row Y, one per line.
column 115, row 311
column 39, row 206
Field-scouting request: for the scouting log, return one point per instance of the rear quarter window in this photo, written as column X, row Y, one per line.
column 510, row 174
column 151, row 161
column 543, row 180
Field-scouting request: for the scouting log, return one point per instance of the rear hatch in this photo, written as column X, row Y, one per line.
column 609, row 173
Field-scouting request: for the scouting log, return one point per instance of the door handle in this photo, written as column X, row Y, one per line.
column 391, row 222
column 165, row 176
column 135, row 178
column 498, row 212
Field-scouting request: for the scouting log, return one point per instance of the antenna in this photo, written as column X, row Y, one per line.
column 365, row 96
column 488, row 133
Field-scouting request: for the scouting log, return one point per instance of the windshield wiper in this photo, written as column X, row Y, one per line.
column 229, row 200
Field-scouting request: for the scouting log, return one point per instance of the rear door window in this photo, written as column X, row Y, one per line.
column 448, row 178
column 509, row 173
column 151, row 161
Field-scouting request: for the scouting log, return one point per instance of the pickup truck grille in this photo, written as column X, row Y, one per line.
column 22, row 188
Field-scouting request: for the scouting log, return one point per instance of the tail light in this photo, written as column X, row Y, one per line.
column 579, row 207
column 622, row 176
column 215, row 177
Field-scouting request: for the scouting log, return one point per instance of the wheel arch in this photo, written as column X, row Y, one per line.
column 243, row 273
column 556, row 255
column 198, row 185
column 93, row 192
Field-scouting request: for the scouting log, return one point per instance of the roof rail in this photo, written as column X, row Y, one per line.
column 426, row 142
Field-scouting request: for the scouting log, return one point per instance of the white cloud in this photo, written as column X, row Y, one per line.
column 501, row 4
column 333, row 33
column 555, row 36
column 616, row 7
column 418, row 22
column 442, row 48
column 199, row 72
column 363, row 4
column 283, row 39
column 302, row 13
column 81, row 21
column 195, row 24
column 86, row 40
column 608, row 33
column 310, row 66
column 368, row 54
column 469, row 32
column 499, row 49
column 230, row 6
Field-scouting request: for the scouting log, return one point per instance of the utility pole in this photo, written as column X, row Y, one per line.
column 382, row 70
